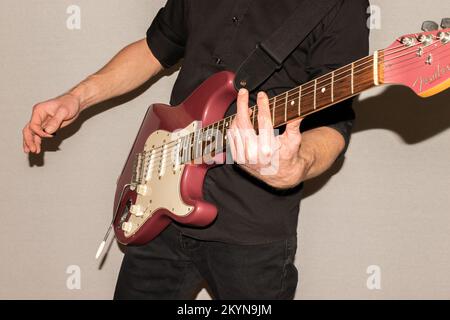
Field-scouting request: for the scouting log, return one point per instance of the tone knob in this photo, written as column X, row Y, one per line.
column 127, row 226
column 136, row 210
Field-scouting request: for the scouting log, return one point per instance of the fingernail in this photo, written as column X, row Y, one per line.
column 242, row 91
column 49, row 130
column 260, row 94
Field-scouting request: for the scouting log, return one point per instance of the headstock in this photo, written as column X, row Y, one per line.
column 420, row 61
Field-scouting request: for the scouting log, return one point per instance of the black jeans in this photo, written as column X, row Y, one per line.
column 174, row 266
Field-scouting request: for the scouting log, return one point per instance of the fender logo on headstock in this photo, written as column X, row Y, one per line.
column 428, row 80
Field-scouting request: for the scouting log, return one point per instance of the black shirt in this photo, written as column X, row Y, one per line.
column 214, row 35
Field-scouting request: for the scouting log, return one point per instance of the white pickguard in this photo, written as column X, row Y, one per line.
column 162, row 181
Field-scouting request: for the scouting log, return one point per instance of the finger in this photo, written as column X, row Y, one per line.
column 25, row 147
column 28, row 138
column 251, row 148
column 243, row 111
column 265, row 126
column 231, row 144
column 293, row 128
column 239, row 145
column 56, row 121
column 292, row 133
column 38, row 117
column 37, row 142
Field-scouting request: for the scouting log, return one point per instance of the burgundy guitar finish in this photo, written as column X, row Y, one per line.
column 208, row 103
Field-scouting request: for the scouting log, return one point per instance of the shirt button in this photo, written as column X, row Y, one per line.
column 235, row 19
column 218, row 61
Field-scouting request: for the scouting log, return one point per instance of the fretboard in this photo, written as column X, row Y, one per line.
column 310, row 97
column 315, row 95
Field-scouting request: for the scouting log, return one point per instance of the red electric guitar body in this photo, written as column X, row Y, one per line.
column 162, row 178
column 206, row 105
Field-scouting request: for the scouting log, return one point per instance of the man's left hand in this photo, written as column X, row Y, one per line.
column 273, row 159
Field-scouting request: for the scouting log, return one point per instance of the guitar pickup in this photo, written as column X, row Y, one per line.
column 136, row 210
column 142, row 189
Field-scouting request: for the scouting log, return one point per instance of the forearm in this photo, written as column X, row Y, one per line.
column 319, row 150
column 129, row 69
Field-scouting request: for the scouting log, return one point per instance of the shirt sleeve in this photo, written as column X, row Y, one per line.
column 344, row 38
column 167, row 35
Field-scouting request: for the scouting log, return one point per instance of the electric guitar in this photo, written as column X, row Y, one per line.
column 163, row 176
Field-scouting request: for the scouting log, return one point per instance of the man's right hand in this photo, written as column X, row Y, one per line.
column 47, row 118
column 129, row 69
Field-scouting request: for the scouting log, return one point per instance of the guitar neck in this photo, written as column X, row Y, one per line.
column 323, row 92
column 315, row 95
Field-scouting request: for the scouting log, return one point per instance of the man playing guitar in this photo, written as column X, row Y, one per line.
column 248, row 251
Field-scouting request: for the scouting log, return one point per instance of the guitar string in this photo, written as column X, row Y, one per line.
column 155, row 157
column 402, row 46
column 294, row 91
column 396, row 66
column 169, row 150
column 152, row 167
column 190, row 145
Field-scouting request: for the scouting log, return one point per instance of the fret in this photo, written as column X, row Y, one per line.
column 216, row 138
column 198, row 144
column 353, row 78
column 226, row 126
column 182, row 151
column 300, row 101
column 285, row 106
column 273, row 110
column 332, row 86
column 324, row 85
column 315, row 94
column 219, row 135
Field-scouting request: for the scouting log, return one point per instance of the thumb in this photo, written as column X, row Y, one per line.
column 56, row 121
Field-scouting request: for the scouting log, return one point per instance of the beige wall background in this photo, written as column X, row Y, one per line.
column 385, row 207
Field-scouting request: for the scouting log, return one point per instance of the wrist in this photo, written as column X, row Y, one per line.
column 289, row 175
column 87, row 93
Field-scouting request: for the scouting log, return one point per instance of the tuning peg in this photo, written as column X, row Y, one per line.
column 430, row 26
column 445, row 23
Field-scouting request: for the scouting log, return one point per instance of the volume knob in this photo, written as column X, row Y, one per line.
column 127, row 226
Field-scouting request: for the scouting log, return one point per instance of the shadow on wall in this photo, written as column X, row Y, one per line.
column 52, row 145
column 400, row 110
